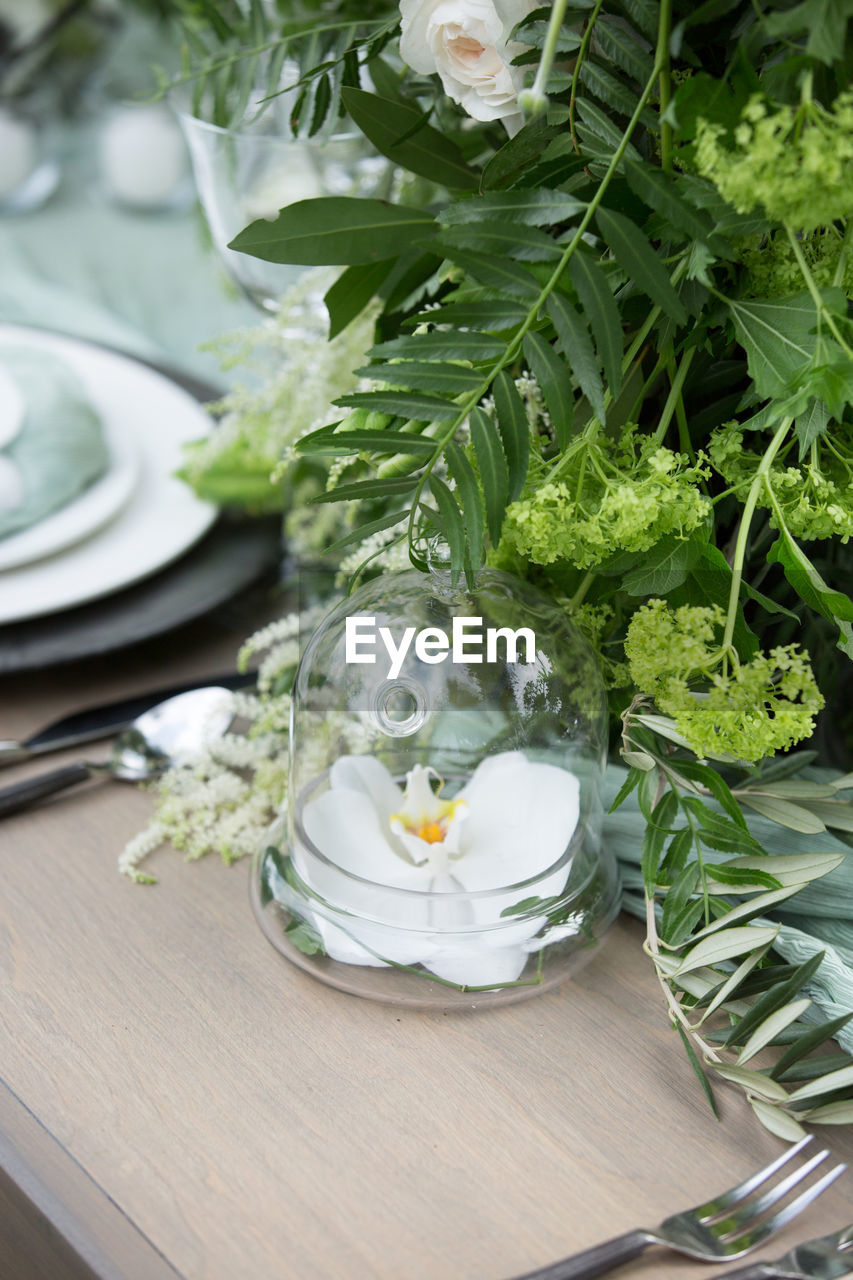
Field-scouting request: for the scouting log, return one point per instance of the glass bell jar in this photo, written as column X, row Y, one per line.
column 441, row 844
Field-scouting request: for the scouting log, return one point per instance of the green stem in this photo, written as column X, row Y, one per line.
column 674, row 397
column 582, row 52
column 509, row 355
column 841, row 265
column 743, row 532
column 549, row 49
column 823, row 312
column 586, row 582
column 665, row 91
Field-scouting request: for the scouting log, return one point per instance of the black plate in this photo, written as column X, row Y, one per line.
column 230, row 557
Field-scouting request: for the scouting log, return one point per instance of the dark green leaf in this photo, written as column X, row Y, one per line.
column 520, row 154
column 352, row 291
column 495, row 315
column 632, row 251
column 804, row 1044
column 501, row 274
column 660, row 192
column 400, row 131
column 469, row 498
column 341, row 442
column 455, row 379
column 698, row 1069
column 365, row 489
column 451, row 520
column 779, row 337
column 552, row 375
column 708, row 583
column 654, row 838
column 676, row 855
column 644, row 14
column 365, row 531
column 456, row 345
column 625, row 790
column 824, row 21
column 515, row 239
column 811, row 588
column 664, row 567
column 646, row 792
column 774, row 999
column 724, row 874
column 680, row 914
column 493, row 470
column 406, row 404
column 811, row 425
column 610, row 90
column 602, row 314
column 721, row 833
column 708, row 777
column 576, row 345
column 538, row 207
column 514, row 429
column 333, row 231
column 622, row 47
column 304, row 938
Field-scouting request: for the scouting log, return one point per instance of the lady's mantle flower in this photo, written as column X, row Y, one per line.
column 747, row 710
column 465, row 42
column 815, row 496
column 511, row 823
column 795, row 162
column 611, row 495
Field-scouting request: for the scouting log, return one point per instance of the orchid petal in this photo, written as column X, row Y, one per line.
column 521, row 818
column 477, row 966
column 345, row 826
column 368, row 775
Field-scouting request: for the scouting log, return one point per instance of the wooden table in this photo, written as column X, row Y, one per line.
column 176, row 1099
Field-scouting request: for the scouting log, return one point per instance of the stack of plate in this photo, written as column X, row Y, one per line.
column 137, row 552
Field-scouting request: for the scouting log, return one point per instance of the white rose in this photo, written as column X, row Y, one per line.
column 465, row 41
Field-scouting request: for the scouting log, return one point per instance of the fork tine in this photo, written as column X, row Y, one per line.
column 735, row 1194
column 750, row 1239
column 749, row 1211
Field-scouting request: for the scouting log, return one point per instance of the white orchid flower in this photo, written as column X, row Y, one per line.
column 507, row 827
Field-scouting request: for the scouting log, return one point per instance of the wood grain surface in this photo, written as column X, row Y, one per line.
column 183, row 1099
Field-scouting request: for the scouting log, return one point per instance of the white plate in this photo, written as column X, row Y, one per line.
column 163, row 517
column 86, row 513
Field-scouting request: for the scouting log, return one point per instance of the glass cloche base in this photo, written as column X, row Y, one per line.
column 441, row 843
column 517, row 958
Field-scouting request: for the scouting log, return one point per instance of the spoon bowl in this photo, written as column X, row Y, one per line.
column 174, row 732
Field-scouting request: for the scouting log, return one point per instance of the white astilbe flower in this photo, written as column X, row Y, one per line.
column 294, row 382
column 225, row 800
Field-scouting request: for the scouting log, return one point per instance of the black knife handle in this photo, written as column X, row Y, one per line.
column 23, row 794
column 594, row 1261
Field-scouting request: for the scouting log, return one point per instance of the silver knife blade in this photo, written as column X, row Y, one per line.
column 107, row 719
column 828, row 1258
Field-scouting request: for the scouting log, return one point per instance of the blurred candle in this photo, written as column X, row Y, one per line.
column 143, row 160
column 18, row 152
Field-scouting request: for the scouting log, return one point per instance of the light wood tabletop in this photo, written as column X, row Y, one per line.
column 177, row 1099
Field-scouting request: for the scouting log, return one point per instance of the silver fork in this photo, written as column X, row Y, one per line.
column 728, row 1226
column 826, row 1259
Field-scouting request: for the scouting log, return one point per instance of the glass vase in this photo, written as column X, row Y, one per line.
column 252, row 171
column 441, row 845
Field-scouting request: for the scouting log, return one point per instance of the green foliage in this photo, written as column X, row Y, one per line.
column 613, row 353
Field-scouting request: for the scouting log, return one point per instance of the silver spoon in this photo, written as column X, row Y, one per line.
column 171, row 733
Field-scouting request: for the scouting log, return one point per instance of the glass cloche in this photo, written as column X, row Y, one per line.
column 441, row 844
